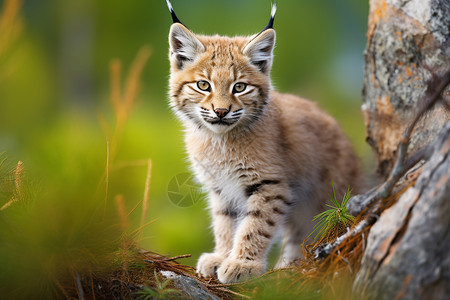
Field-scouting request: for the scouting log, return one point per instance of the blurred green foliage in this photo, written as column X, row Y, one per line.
column 288, row 284
column 54, row 83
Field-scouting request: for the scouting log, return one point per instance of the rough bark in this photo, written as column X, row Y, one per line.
column 407, row 254
column 406, row 39
column 407, row 249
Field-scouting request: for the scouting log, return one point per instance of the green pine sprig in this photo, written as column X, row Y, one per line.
column 332, row 221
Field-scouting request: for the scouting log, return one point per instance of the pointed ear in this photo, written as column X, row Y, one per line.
column 260, row 50
column 184, row 46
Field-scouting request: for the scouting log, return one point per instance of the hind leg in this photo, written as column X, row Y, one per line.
column 292, row 250
column 297, row 230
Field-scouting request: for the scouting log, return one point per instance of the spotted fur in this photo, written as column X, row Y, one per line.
column 268, row 159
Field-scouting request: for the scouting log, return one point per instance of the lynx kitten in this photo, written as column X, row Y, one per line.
column 267, row 159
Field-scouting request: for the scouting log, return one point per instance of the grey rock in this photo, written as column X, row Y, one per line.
column 192, row 288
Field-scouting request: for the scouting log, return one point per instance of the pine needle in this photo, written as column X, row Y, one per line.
column 334, row 220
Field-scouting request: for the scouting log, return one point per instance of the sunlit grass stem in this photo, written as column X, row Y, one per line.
column 122, row 104
column 18, row 182
column 146, row 197
column 121, row 210
column 10, row 24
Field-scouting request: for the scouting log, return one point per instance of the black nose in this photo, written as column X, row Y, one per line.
column 221, row 112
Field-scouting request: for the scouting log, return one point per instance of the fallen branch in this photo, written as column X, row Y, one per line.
column 325, row 249
column 169, row 264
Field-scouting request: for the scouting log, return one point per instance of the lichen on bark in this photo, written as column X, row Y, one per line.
column 406, row 39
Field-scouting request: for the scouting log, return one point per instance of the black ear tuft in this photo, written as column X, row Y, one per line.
column 272, row 17
column 172, row 12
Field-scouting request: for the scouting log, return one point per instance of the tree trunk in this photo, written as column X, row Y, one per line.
column 407, row 253
column 406, row 39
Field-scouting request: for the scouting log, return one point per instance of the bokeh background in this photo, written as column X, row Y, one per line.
column 55, row 92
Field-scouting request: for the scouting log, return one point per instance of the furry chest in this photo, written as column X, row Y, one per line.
column 223, row 176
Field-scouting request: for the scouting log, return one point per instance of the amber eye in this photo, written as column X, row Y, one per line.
column 204, row 85
column 239, row 87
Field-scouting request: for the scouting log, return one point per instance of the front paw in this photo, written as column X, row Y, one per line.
column 235, row 270
column 208, row 263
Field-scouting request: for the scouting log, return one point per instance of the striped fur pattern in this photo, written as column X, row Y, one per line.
column 267, row 159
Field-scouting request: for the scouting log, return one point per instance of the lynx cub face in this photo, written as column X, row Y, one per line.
column 268, row 159
column 219, row 83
